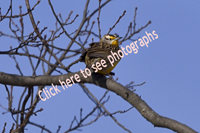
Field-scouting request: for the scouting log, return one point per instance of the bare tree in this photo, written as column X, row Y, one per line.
column 48, row 52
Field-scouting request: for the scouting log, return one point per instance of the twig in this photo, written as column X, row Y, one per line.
column 98, row 20
column 21, row 15
column 98, row 8
column 79, row 123
column 12, row 127
column 62, row 25
column 93, row 97
column 3, row 17
column 89, row 33
column 72, row 20
column 10, row 97
column 74, row 62
column 134, row 28
column 68, row 16
column 4, row 128
column 134, row 20
column 41, row 58
column 17, row 117
column 117, row 21
column 37, row 125
column 122, row 111
column 40, row 110
column 58, row 129
column 23, row 108
column 17, row 65
column 136, row 32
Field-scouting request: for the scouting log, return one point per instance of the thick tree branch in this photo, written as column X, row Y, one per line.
column 100, row 80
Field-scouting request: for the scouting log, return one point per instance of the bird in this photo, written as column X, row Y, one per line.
column 100, row 50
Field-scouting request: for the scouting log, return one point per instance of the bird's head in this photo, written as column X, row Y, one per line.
column 110, row 39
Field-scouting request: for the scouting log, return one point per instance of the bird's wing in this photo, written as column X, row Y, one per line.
column 97, row 52
column 92, row 45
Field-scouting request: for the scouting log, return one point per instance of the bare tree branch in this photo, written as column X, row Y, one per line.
column 48, row 51
column 39, row 126
column 100, row 80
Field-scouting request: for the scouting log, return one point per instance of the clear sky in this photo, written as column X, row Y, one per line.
column 170, row 66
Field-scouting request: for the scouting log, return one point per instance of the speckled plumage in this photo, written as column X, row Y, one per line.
column 100, row 50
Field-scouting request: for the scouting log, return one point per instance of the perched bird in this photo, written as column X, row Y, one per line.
column 100, row 50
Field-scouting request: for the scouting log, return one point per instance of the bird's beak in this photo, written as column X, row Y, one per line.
column 117, row 38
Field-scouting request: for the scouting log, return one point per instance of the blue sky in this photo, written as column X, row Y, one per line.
column 170, row 66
